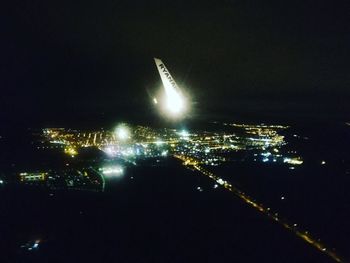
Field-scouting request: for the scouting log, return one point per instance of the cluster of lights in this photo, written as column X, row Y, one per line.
column 112, row 171
column 110, row 151
column 210, row 148
column 184, row 134
column 122, row 132
column 32, row 245
column 294, row 161
column 26, row 177
column 71, row 151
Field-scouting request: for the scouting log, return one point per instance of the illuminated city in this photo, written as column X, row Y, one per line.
column 128, row 145
column 262, row 143
column 175, row 131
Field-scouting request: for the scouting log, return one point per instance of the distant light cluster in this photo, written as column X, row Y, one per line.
column 112, row 171
column 261, row 143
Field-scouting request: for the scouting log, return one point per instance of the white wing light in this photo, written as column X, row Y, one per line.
column 174, row 102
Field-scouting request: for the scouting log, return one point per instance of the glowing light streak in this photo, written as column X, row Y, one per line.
column 175, row 102
column 296, row 161
column 192, row 163
column 112, row 171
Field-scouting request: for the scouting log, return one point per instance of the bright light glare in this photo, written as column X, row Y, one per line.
column 292, row 161
column 36, row 245
column 112, row 171
column 110, row 151
column 70, row 151
column 174, row 101
column 184, row 133
column 159, row 142
column 128, row 152
column 122, row 132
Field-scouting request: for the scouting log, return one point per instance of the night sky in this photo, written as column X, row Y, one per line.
column 94, row 59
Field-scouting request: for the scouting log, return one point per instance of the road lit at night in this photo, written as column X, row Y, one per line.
column 304, row 235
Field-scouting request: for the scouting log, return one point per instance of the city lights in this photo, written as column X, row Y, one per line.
column 304, row 235
column 184, row 133
column 33, row 176
column 31, row 245
column 122, row 132
column 198, row 150
column 70, row 151
column 209, row 148
column 110, row 151
column 112, row 171
column 295, row 161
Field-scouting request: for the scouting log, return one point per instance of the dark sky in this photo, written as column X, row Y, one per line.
column 91, row 58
